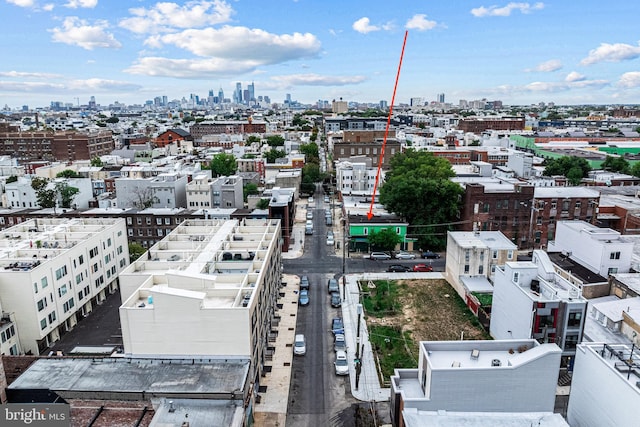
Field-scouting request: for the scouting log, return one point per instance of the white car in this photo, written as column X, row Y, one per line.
column 341, row 364
column 405, row 255
column 379, row 255
column 299, row 345
column 330, row 241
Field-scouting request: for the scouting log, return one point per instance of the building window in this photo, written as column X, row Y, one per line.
column 42, row 304
column 614, row 255
column 44, row 282
column 516, row 276
column 43, row 324
column 62, row 291
column 570, row 342
column 366, row 231
column 494, row 254
column 52, row 317
column 612, row 270
column 575, row 317
column 467, row 255
column 481, row 269
column 466, row 269
column 509, row 254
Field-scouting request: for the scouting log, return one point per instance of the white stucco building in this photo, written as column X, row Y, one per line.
column 209, row 288
column 478, row 376
column 531, row 300
column 357, row 179
column 601, row 250
column 166, row 190
column 53, row 271
column 605, row 388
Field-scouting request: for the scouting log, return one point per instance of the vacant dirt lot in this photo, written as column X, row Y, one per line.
column 432, row 311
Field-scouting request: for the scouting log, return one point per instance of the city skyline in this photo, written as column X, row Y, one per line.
column 518, row 52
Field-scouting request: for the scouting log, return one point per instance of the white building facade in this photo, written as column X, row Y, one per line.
column 54, row 271
column 209, row 288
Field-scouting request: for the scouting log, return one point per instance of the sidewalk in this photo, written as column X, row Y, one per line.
column 272, row 409
column 369, row 388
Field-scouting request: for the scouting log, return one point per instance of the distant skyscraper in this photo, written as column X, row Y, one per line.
column 252, row 93
column 288, row 99
column 165, row 100
column 220, row 96
column 237, row 94
column 417, row 102
column 384, row 104
column 441, row 98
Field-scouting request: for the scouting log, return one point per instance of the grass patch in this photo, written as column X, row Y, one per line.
column 390, row 345
column 381, row 299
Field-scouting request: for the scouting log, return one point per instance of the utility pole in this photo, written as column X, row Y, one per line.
column 359, row 311
column 344, row 279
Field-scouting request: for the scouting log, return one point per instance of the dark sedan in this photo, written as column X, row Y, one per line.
column 397, row 268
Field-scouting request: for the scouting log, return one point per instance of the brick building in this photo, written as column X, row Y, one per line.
column 482, row 124
column 367, row 144
column 71, row 146
column 500, row 207
column 199, row 130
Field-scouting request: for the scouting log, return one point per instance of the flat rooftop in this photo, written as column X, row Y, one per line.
column 95, row 376
column 416, row 418
column 624, row 359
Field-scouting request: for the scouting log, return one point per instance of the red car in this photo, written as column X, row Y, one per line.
column 422, row 268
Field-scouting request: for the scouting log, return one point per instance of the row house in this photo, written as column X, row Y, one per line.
column 71, row 146
column 369, row 150
column 357, row 178
column 199, row 130
column 482, row 124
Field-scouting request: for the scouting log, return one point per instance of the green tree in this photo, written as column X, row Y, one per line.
column 298, row 120
column 112, row 120
column 616, row 164
column 417, row 188
column 311, row 152
column 311, row 171
column 68, row 173
column 136, row 250
column 223, row 164
column 45, row 196
column 563, row 165
column 67, row 193
column 96, row 162
column 11, row 179
column 263, row 204
column 274, row 154
column 249, row 189
column 386, row 239
column 635, row 169
column 275, row 141
column 252, row 138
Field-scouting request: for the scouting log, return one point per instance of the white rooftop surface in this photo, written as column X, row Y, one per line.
column 415, row 418
column 619, row 366
column 490, row 239
column 613, row 309
column 596, row 332
column 562, row 192
column 477, row 284
column 484, row 359
column 632, row 280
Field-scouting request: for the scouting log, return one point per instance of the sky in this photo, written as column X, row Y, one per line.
column 130, row 51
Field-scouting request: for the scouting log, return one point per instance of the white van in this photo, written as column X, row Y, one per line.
column 299, row 345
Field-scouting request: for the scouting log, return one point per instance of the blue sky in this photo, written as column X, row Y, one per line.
column 558, row 51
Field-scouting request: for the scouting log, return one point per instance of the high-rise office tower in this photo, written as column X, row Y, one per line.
column 237, row 94
column 252, row 93
column 220, row 96
column 441, row 98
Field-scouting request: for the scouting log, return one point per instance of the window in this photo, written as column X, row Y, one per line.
column 509, row 254
column 159, row 221
column 481, row 269
column 62, row 291
column 570, row 341
column 52, row 317
column 467, row 255
column 366, row 231
column 614, row 255
column 574, row 319
column 130, row 232
column 109, row 241
column 160, row 231
column 167, row 221
column 466, row 269
column 139, row 221
column 494, row 254
column 68, row 305
column 612, row 270
column 79, row 278
column 516, row 276
column 61, row 272
column 119, row 250
column 129, row 221
column 35, row 288
column 43, row 324
column 42, row 304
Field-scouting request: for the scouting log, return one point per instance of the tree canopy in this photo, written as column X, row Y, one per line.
column 262, row 204
column 96, row 162
column 136, row 250
column 616, row 164
column 249, row 189
column 275, row 141
column 252, row 138
column 274, row 154
column 574, row 168
column 311, row 152
column 417, row 188
column 68, row 173
column 223, row 164
column 384, row 240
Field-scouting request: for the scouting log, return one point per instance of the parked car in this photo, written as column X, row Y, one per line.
column 341, row 363
column 310, row 200
column 397, row 268
column 330, row 241
column 405, row 255
column 309, row 214
column 299, row 345
column 339, row 343
column 304, row 298
column 422, row 268
column 430, row 255
column 337, row 327
column 335, row 300
column 332, row 286
column 379, row 255
column 326, row 199
column 304, row 282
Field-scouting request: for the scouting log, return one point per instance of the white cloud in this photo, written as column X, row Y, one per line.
column 22, row 74
column 547, row 66
column 363, row 25
column 48, row 7
column 191, row 68
column 574, row 77
column 166, row 16
column 243, row 44
column 611, row 53
column 22, row 3
column 90, row 85
column 78, row 32
column 564, row 85
column 481, row 12
column 88, row 4
column 102, row 85
column 22, row 86
column 630, row 79
column 313, row 79
column 420, row 22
